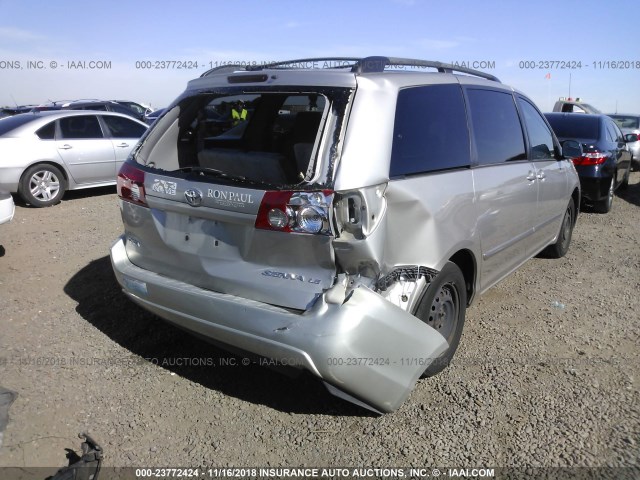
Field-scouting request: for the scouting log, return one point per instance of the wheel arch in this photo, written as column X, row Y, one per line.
column 466, row 262
column 60, row 166
column 575, row 195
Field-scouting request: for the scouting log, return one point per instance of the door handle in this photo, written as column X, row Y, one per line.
column 66, row 146
column 122, row 145
column 540, row 176
column 531, row 177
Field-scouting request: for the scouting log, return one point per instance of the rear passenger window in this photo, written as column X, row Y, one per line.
column 496, row 127
column 80, row 127
column 48, row 132
column 540, row 136
column 430, row 130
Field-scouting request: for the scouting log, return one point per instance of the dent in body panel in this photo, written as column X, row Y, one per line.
column 212, row 252
column 359, row 245
column 415, row 221
column 424, row 214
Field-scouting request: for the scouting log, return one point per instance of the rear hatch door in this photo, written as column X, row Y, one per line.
column 206, row 176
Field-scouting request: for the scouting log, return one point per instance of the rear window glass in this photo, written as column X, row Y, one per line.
column 7, row 124
column 575, row 126
column 624, row 121
column 430, row 130
column 270, row 137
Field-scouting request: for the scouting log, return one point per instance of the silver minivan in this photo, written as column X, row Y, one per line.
column 340, row 215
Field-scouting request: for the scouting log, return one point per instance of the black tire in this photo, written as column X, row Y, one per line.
column 443, row 307
column 561, row 247
column 42, row 185
column 604, row 206
column 625, row 183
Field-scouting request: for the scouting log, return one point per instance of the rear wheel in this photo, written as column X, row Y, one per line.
column 625, row 182
column 604, row 206
column 443, row 307
column 42, row 185
column 561, row 247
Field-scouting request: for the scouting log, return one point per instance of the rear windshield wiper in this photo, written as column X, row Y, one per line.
column 203, row 171
column 220, row 174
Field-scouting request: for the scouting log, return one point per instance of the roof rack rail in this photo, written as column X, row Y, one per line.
column 378, row 64
column 224, row 69
column 374, row 64
column 345, row 62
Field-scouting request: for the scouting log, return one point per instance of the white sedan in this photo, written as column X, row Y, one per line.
column 46, row 153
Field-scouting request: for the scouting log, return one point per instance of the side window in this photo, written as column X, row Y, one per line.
column 611, row 132
column 123, row 127
column 80, row 127
column 115, row 107
column 539, row 134
column 48, row 132
column 430, row 130
column 618, row 133
column 136, row 108
column 496, row 127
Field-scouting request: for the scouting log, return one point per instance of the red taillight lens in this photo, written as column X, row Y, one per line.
column 298, row 212
column 593, row 158
column 131, row 184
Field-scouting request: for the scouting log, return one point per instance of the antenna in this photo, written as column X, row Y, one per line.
column 569, row 85
column 14, row 100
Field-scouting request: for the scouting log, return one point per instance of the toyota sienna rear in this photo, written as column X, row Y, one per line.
column 275, row 210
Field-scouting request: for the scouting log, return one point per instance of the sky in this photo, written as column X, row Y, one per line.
column 115, row 50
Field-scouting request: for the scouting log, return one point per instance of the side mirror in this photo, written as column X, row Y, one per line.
column 571, row 149
column 631, row 137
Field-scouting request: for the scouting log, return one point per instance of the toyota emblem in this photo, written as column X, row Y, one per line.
column 194, row 197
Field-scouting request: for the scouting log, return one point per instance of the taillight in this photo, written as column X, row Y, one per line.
column 131, row 184
column 299, row 212
column 593, row 158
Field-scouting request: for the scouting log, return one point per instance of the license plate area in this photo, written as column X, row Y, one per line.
column 203, row 237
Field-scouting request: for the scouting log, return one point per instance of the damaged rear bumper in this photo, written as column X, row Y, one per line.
column 366, row 349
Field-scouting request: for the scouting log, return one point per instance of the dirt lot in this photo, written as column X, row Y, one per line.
column 533, row 384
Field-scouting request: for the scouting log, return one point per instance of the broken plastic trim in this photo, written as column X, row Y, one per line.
column 85, row 467
column 409, row 273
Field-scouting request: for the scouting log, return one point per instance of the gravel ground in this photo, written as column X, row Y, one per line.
column 532, row 384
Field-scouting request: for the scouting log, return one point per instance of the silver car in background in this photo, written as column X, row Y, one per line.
column 46, row 153
column 341, row 219
column 630, row 126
